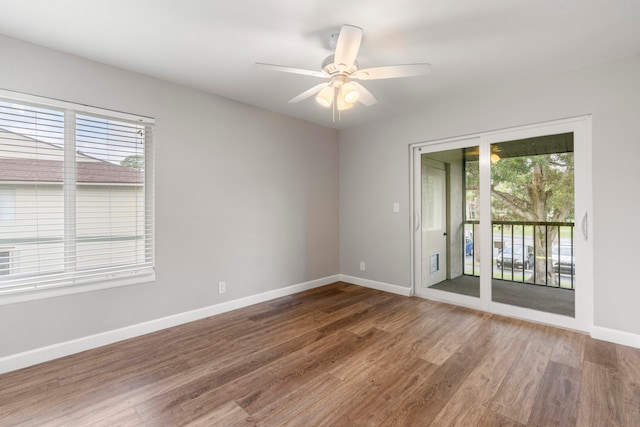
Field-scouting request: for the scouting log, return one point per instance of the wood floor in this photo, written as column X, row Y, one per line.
column 338, row 355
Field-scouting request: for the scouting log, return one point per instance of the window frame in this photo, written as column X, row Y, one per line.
column 146, row 271
column 5, row 271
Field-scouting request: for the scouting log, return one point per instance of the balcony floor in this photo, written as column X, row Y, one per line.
column 542, row 298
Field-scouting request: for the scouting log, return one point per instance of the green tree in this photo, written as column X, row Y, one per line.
column 534, row 189
column 135, row 161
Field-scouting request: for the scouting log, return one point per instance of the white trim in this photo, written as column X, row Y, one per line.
column 372, row 284
column 54, row 351
column 615, row 336
column 460, row 141
column 485, row 227
column 7, row 297
column 537, row 316
column 11, row 96
column 450, row 298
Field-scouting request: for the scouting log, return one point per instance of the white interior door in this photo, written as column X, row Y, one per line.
column 434, row 222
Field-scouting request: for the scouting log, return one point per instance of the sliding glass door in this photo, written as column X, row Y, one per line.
column 501, row 222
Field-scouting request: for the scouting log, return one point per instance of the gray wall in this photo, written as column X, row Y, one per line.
column 374, row 173
column 242, row 195
column 251, row 197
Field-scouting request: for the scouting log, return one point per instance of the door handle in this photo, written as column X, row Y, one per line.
column 444, row 234
column 584, row 227
column 417, row 221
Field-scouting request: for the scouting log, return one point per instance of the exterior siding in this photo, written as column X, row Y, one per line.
column 108, row 219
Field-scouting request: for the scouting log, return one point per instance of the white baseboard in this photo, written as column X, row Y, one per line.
column 381, row 286
column 55, row 351
column 615, row 336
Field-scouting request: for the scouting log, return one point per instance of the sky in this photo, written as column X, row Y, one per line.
column 105, row 139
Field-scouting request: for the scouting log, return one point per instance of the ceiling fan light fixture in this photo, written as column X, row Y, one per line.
column 342, row 90
column 343, row 105
column 350, row 94
column 325, row 97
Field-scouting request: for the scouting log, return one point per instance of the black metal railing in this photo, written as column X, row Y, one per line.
column 540, row 253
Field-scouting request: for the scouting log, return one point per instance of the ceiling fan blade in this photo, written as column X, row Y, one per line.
column 392, row 71
column 366, row 97
column 292, row 70
column 309, row 92
column 348, row 45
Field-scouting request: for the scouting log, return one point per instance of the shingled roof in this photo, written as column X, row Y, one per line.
column 51, row 171
column 88, row 169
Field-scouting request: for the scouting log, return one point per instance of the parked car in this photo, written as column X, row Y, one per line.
column 468, row 246
column 564, row 260
column 514, row 256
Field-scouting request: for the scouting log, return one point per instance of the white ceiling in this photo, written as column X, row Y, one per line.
column 212, row 45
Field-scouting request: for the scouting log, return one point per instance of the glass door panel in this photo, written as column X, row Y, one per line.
column 532, row 214
column 448, row 237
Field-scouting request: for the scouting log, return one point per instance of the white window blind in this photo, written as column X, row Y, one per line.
column 81, row 181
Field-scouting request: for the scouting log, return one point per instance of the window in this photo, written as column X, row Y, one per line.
column 76, row 197
column 4, row 262
column 7, row 204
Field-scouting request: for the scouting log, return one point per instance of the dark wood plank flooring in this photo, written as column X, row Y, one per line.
column 338, row 355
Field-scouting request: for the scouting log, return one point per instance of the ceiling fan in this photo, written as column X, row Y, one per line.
column 340, row 91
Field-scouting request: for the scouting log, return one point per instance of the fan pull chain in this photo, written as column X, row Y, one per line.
column 335, row 104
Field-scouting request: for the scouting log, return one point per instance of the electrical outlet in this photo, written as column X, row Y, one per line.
column 396, row 207
column 222, row 287
column 362, row 266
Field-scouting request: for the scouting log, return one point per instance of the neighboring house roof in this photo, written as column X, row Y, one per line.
column 51, row 171
column 24, row 168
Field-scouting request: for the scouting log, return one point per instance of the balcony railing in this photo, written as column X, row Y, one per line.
column 540, row 253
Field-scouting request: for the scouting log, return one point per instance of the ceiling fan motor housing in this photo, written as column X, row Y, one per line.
column 330, row 67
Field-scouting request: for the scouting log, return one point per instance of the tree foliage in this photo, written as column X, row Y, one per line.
column 135, row 161
column 536, row 188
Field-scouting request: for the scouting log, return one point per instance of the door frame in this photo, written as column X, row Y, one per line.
column 583, row 189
